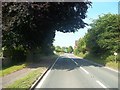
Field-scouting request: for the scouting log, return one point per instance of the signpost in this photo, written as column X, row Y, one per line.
column 115, row 56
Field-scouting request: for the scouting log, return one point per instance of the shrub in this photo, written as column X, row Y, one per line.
column 112, row 58
column 18, row 56
column 76, row 52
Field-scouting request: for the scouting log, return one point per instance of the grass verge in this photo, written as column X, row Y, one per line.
column 100, row 60
column 11, row 69
column 26, row 81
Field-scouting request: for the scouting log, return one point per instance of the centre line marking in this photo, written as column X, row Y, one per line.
column 101, row 84
column 80, row 67
column 73, row 61
column 85, row 70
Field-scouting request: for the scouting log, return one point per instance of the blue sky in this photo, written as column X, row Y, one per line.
column 98, row 8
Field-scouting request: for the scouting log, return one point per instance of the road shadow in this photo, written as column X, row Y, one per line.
column 64, row 63
column 69, row 64
column 84, row 62
column 39, row 61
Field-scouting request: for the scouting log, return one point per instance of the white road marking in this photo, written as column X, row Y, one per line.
column 73, row 60
column 43, row 79
column 54, row 62
column 101, row 84
column 100, row 65
column 45, row 76
column 85, row 70
column 80, row 67
column 112, row 69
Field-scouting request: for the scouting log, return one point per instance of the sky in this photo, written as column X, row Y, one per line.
column 98, row 8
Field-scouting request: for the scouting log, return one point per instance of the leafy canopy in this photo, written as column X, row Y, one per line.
column 103, row 36
column 32, row 25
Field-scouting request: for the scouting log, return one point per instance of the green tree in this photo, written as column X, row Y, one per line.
column 64, row 49
column 32, row 25
column 104, row 34
column 70, row 49
column 102, row 39
column 58, row 49
column 76, row 52
column 81, row 45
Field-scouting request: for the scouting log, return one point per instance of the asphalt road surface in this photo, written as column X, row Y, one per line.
column 71, row 72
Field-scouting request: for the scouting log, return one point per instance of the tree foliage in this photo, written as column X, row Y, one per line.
column 64, row 49
column 58, row 49
column 32, row 25
column 81, row 45
column 70, row 49
column 103, row 36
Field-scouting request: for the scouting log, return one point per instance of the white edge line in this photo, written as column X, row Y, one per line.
column 45, row 76
column 80, row 67
column 55, row 62
column 112, row 69
column 101, row 84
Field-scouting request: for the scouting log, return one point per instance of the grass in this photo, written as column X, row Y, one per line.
column 113, row 65
column 101, row 60
column 29, row 79
column 26, row 81
column 11, row 69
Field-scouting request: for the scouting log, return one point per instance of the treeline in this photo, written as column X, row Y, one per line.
column 102, row 39
column 29, row 27
column 59, row 49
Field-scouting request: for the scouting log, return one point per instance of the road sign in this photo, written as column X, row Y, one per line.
column 115, row 53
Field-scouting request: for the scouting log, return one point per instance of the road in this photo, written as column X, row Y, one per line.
column 71, row 72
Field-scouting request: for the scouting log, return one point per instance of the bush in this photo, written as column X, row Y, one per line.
column 76, row 52
column 112, row 58
column 13, row 56
column 18, row 56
